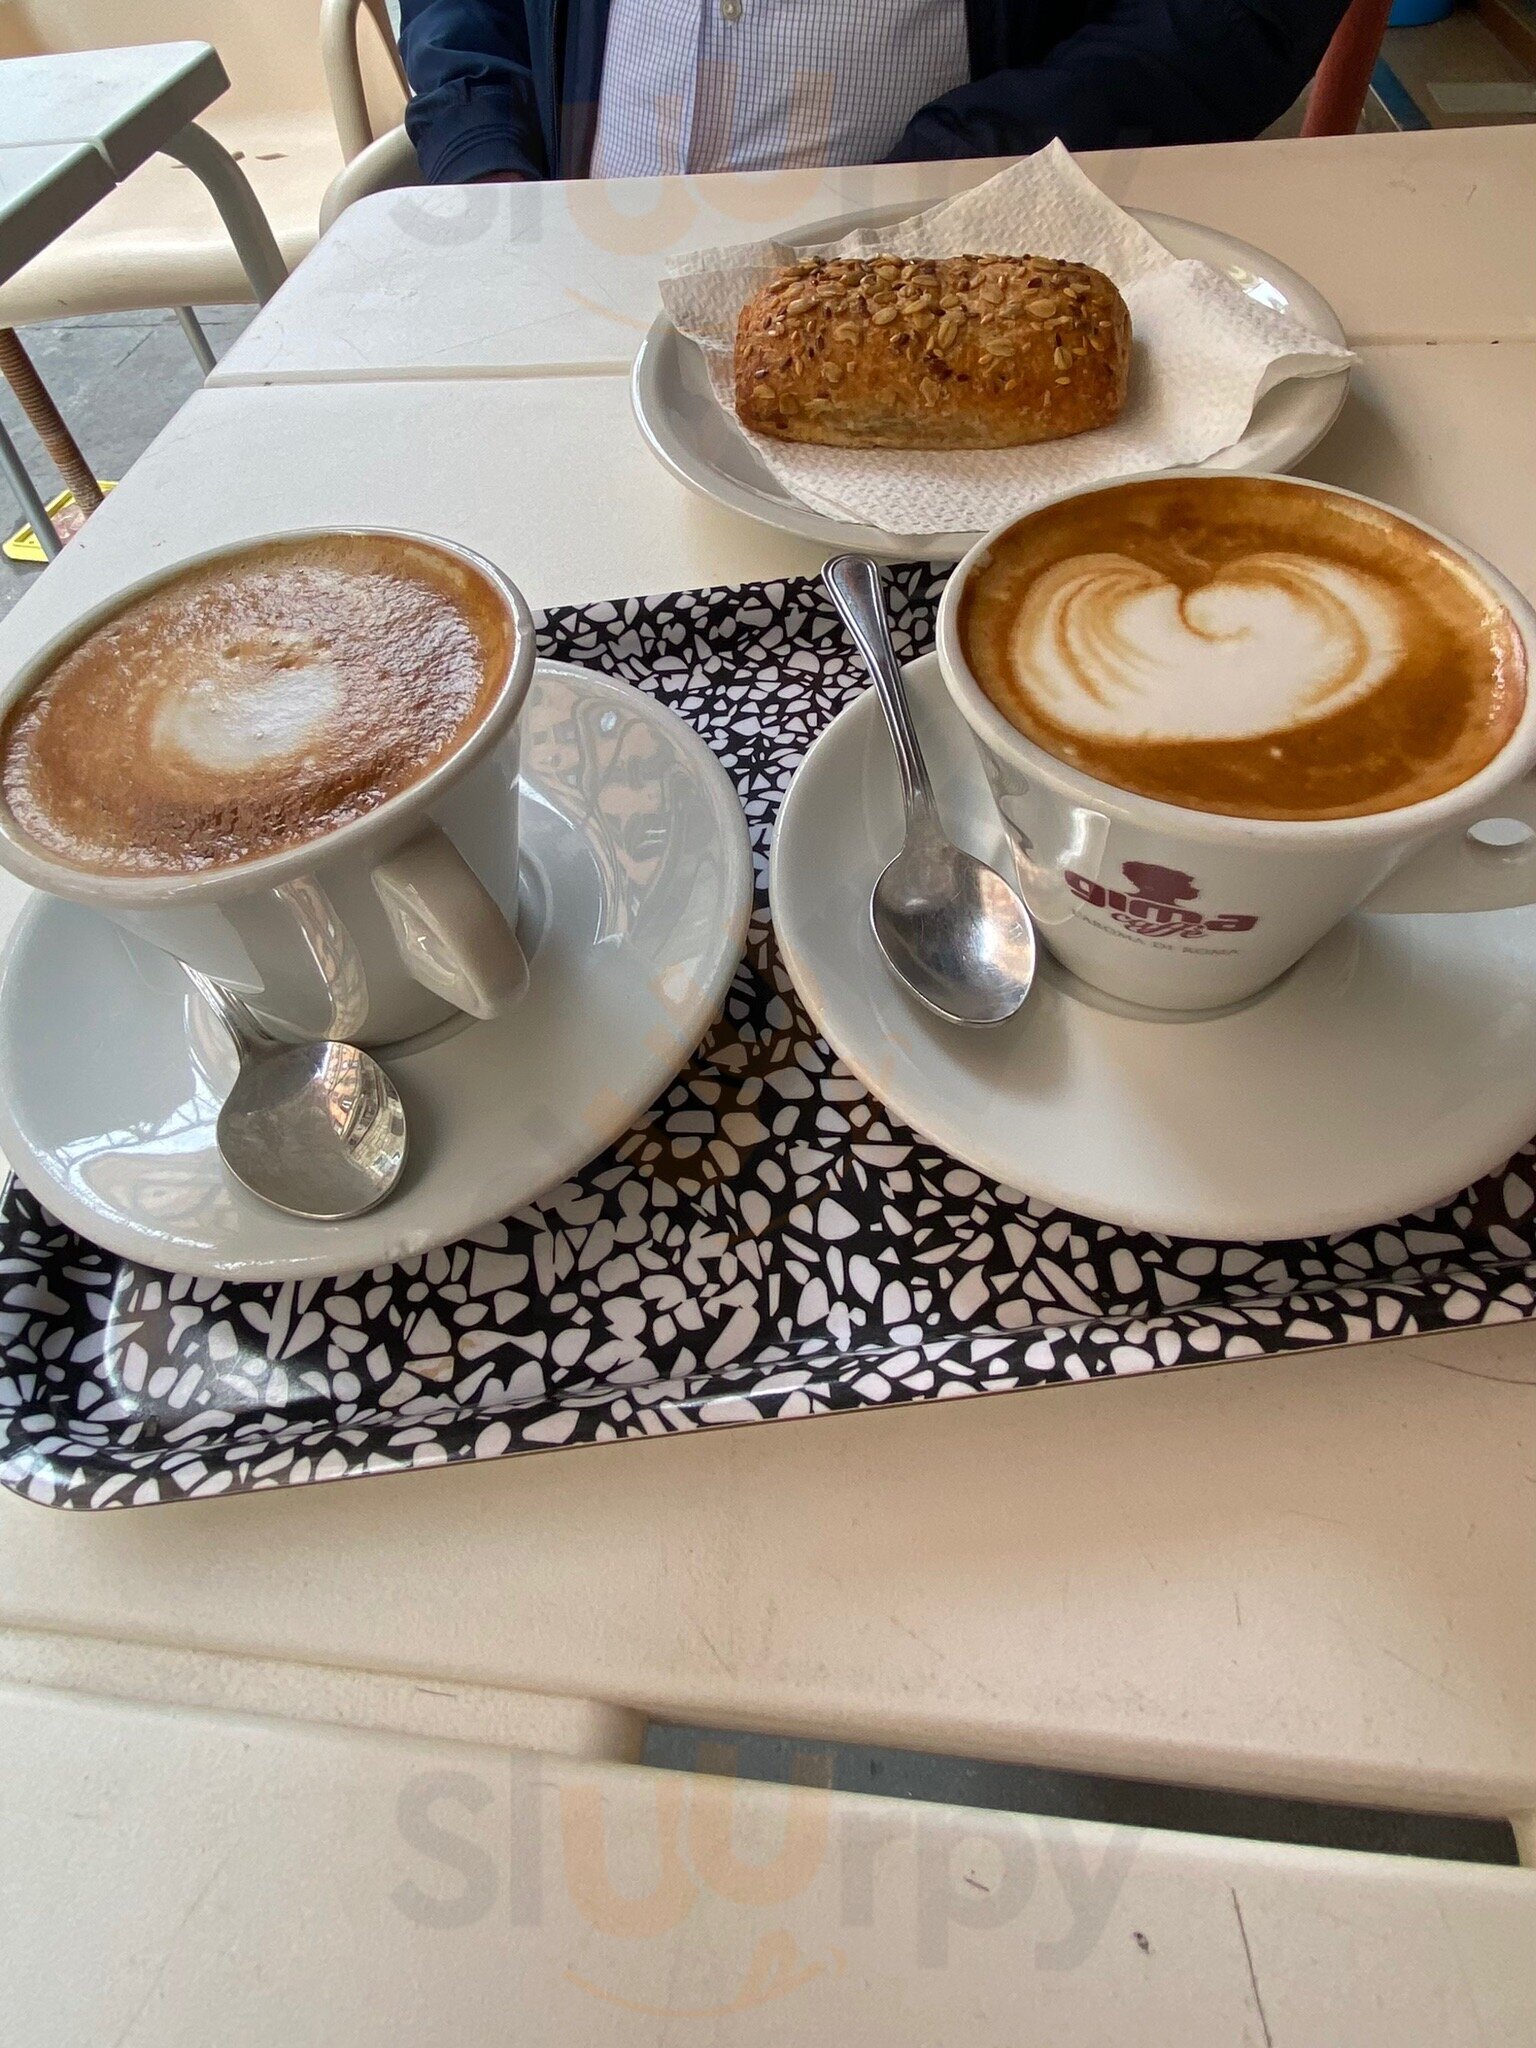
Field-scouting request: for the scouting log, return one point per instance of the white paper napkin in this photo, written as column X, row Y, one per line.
column 1203, row 353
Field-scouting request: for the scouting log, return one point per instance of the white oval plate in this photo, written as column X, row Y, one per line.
column 690, row 435
column 637, row 881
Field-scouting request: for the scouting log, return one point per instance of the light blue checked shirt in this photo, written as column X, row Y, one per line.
column 744, row 85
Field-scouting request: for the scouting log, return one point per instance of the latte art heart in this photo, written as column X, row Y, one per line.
column 1111, row 649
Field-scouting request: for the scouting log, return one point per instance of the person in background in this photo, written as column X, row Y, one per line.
column 631, row 88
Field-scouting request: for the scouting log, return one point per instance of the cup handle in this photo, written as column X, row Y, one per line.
column 452, row 933
column 1455, row 872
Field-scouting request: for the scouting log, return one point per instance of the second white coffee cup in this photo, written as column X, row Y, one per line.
column 1179, row 910
column 380, row 929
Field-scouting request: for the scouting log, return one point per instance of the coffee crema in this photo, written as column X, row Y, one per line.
column 255, row 703
column 1240, row 645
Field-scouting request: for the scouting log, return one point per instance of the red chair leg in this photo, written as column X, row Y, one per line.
column 1344, row 76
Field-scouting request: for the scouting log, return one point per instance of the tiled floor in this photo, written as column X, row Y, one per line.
column 1459, row 75
column 117, row 380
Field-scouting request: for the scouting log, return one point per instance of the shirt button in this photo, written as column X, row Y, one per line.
column 730, row 10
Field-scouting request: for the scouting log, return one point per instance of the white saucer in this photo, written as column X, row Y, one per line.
column 690, row 435
column 1388, row 1069
column 637, row 880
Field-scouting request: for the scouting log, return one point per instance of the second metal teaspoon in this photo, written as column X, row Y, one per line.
column 317, row 1129
column 949, row 926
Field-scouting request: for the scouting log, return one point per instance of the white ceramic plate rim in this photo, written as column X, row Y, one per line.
column 1308, row 406
column 374, row 1239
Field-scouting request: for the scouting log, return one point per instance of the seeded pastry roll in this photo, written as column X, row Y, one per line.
column 947, row 352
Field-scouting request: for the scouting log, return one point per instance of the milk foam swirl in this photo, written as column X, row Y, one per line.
column 241, row 713
column 1112, row 649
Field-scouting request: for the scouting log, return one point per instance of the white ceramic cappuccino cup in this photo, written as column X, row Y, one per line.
column 1180, row 910
column 374, row 931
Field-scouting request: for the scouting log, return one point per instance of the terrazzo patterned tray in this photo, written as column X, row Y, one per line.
column 765, row 1243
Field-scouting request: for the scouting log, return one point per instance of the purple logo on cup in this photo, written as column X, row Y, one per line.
column 1155, row 903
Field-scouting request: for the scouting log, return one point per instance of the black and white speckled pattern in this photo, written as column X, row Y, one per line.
column 764, row 1243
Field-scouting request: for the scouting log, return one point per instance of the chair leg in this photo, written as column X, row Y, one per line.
column 192, row 328
column 249, row 228
column 26, row 491
column 47, row 421
column 1344, row 76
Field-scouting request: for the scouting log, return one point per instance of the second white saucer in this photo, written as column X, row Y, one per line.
column 637, row 880
column 1390, row 1068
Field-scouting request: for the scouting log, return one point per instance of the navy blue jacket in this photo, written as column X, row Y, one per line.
column 512, row 85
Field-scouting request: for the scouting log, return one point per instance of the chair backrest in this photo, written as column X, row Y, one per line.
column 364, row 70
column 270, row 48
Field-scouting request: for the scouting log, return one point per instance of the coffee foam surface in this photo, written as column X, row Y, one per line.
column 255, row 703
column 1244, row 645
column 231, row 721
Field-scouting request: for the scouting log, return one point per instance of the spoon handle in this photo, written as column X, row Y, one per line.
column 853, row 584
column 231, row 1012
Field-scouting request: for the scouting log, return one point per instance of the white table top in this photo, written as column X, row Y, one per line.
column 1269, row 1574
column 516, row 280
column 350, row 1892
column 1313, row 1574
column 124, row 102
column 44, row 187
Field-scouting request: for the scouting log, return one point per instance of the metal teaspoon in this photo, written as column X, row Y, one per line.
column 949, row 926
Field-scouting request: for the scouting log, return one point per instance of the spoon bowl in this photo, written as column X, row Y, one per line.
column 317, row 1129
column 950, row 928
